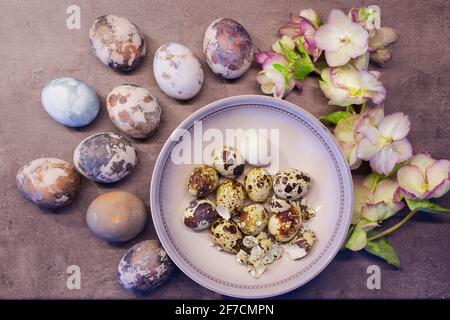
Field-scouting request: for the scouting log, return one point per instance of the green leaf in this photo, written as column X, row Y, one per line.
column 335, row 117
column 384, row 250
column 425, row 205
column 302, row 64
column 289, row 54
column 284, row 71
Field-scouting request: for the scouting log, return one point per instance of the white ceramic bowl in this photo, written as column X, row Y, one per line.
column 304, row 144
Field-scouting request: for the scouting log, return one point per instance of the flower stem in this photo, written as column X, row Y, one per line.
column 393, row 228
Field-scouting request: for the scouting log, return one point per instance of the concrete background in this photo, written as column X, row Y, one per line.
column 36, row 246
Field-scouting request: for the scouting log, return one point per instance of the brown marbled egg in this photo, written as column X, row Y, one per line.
column 117, row 43
column 144, row 267
column 228, row 48
column 48, row 182
column 199, row 214
column 116, row 216
column 285, row 225
column 134, row 110
column 203, row 181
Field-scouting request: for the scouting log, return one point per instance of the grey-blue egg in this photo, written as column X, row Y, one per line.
column 105, row 157
column 71, row 102
column 144, row 267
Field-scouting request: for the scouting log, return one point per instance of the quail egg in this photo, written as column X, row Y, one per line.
column 231, row 196
column 202, row 181
column 301, row 244
column 228, row 161
column 199, row 214
column 258, row 184
column 285, row 225
column 253, row 219
column 279, row 205
column 227, row 235
column 291, row 184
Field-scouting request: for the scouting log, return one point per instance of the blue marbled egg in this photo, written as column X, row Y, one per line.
column 70, row 102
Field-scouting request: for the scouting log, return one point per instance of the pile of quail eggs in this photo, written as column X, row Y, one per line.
column 108, row 157
column 254, row 215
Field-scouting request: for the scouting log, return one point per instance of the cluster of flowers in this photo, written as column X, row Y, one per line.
column 349, row 43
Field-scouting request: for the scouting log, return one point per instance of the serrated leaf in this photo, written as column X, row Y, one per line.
column 284, row 71
column 384, row 250
column 303, row 64
column 335, row 117
column 425, row 205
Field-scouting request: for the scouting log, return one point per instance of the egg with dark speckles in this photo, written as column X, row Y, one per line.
column 258, row 184
column 228, row 48
column 71, row 102
column 177, row 71
column 291, row 184
column 202, row 181
column 226, row 235
column 117, row 43
column 199, row 214
column 48, row 182
column 105, row 157
column 116, row 216
column 253, row 219
column 144, row 267
column 228, row 161
column 285, row 225
column 231, row 196
column 134, row 110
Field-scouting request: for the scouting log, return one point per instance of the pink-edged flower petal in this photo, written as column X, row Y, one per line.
column 328, row 37
column 267, row 58
column 422, row 161
column 438, row 178
column 338, row 18
column 375, row 113
column 311, row 15
column 384, row 161
column 395, row 125
column 362, row 195
column 368, row 145
column 337, row 58
column 383, row 37
column 412, row 182
column 373, row 88
column 387, row 191
column 403, row 149
column 381, row 210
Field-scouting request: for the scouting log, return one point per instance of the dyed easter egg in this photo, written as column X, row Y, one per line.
column 144, row 267
column 105, row 157
column 134, row 110
column 177, row 71
column 117, row 43
column 71, row 102
column 228, row 48
column 116, row 216
column 48, row 182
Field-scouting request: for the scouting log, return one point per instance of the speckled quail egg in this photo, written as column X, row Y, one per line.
column 202, row 181
column 291, row 184
column 228, row 48
column 199, row 214
column 301, row 244
column 279, row 205
column 258, row 184
column 48, row 182
column 117, row 43
column 228, row 161
column 105, row 157
column 177, row 71
column 285, row 225
column 231, row 196
column 134, row 110
column 144, row 267
column 253, row 219
column 226, row 235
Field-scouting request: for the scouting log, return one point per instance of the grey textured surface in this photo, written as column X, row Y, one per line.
column 36, row 246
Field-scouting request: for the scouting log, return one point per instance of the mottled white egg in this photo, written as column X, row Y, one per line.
column 228, row 161
column 177, row 71
column 258, row 184
column 228, row 48
column 231, row 196
column 285, row 225
column 253, row 219
column 227, row 235
column 291, row 184
column 134, row 110
column 199, row 214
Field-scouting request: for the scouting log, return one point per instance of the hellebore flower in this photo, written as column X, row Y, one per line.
column 424, row 177
column 341, row 39
column 386, row 145
column 378, row 45
column 345, row 86
column 275, row 77
column 304, row 27
column 368, row 17
column 347, row 136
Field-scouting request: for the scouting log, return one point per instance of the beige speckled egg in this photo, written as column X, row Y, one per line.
column 48, row 182
column 231, row 196
column 285, row 225
column 253, row 219
column 199, row 214
column 227, row 235
column 117, row 43
column 228, row 161
column 202, row 181
column 177, row 71
column 144, row 267
column 228, row 48
column 258, row 184
column 116, row 216
column 134, row 110
column 291, row 184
